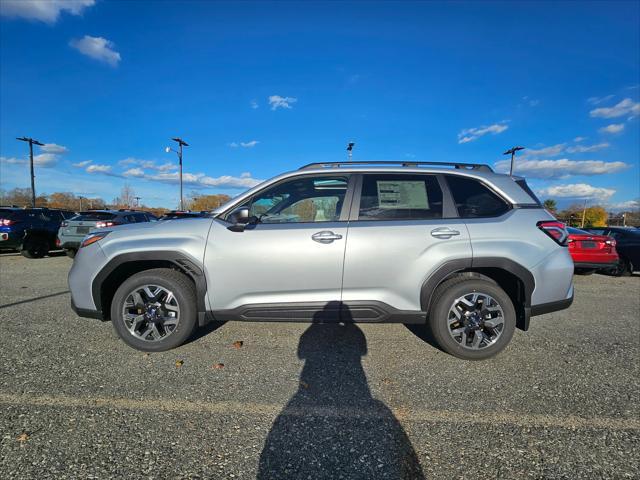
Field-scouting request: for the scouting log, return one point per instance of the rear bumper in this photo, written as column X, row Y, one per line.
column 596, row 265
column 551, row 306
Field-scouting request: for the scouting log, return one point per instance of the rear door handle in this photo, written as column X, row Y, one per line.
column 444, row 232
column 325, row 236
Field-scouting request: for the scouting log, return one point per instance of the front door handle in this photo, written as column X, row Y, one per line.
column 444, row 232
column 325, row 236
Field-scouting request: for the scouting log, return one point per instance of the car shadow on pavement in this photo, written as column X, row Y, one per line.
column 34, row 299
column 200, row 332
column 333, row 427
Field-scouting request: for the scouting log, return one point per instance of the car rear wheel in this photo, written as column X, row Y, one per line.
column 71, row 252
column 622, row 269
column 472, row 318
column 35, row 247
column 155, row 310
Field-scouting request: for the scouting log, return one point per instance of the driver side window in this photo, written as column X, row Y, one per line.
column 301, row 200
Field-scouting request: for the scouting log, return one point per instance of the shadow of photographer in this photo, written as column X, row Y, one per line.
column 332, row 427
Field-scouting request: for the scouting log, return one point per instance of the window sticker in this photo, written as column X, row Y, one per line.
column 402, row 194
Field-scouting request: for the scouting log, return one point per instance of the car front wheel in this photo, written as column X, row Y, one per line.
column 155, row 310
column 472, row 317
column 35, row 247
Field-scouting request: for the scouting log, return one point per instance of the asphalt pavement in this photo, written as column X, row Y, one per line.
column 315, row 401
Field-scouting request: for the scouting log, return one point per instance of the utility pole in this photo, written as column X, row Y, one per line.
column 33, row 185
column 80, row 197
column 181, row 143
column 137, row 201
column 584, row 213
column 512, row 152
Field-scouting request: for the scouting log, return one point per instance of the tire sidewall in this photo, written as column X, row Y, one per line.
column 186, row 302
column 438, row 319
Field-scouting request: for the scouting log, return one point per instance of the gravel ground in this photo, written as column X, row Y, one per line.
column 310, row 402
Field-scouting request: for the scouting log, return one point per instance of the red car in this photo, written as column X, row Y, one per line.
column 591, row 252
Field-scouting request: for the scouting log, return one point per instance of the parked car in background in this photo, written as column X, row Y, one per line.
column 470, row 252
column 628, row 247
column 177, row 214
column 72, row 231
column 591, row 252
column 32, row 231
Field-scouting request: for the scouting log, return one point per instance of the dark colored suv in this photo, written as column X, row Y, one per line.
column 74, row 230
column 627, row 245
column 32, row 231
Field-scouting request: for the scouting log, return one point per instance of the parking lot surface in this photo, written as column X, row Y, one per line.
column 315, row 401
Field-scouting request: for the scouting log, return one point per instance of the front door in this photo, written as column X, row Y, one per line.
column 287, row 264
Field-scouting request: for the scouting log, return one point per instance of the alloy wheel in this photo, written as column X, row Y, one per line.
column 475, row 320
column 151, row 313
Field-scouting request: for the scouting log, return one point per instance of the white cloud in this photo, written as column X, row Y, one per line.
column 53, row 148
column 582, row 191
column 532, row 102
column 562, row 168
column 276, row 101
column 134, row 172
column 47, row 11
column 546, row 151
column 98, row 169
column 624, row 107
column 613, row 128
column 598, row 100
column 471, row 134
column 625, row 206
column 587, row 148
column 82, row 164
column 579, row 139
column 250, row 144
column 254, row 104
column 98, row 48
column 148, row 164
column 201, row 180
column 42, row 160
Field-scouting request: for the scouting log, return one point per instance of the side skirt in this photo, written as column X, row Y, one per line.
column 321, row 312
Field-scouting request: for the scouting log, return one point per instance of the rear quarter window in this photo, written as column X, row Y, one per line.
column 473, row 199
column 93, row 216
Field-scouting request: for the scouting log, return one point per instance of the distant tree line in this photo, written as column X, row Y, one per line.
column 21, row 197
column 594, row 216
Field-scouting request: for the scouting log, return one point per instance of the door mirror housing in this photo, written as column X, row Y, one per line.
column 239, row 218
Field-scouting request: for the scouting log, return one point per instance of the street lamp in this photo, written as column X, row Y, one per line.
column 350, row 146
column 512, row 152
column 33, row 187
column 181, row 143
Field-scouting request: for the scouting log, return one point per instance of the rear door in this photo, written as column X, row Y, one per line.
column 402, row 228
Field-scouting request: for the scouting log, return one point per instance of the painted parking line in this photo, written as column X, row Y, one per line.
column 271, row 410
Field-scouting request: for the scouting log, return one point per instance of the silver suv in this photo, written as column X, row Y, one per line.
column 467, row 252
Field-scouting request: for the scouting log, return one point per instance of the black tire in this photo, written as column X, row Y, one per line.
column 71, row 252
column 184, row 292
column 443, row 298
column 623, row 269
column 35, row 247
column 584, row 271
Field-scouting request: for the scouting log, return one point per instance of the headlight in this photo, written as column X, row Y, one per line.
column 93, row 238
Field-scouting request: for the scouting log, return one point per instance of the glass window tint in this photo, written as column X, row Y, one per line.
column 473, row 199
column 93, row 216
column 400, row 197
column 301, row 200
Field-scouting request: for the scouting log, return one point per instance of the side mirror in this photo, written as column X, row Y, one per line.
column 239, row 218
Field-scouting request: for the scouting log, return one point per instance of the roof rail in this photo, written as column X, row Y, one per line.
column 467, row 166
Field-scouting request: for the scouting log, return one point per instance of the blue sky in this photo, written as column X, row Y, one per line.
column 260, row 88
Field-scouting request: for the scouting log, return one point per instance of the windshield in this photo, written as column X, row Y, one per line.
column 93, row 216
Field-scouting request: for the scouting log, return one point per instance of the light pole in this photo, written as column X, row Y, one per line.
column 512, row 152
column 33, row 186
column 181, row 143
column 137, row 201
column 350, row 146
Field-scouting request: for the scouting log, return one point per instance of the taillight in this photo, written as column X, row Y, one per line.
column 555, row 230
column 105, row 224
column 611, row 242
column 93, row 238
column 64, row 224
column 5, row 222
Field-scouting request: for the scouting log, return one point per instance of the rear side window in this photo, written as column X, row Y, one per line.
column 400, row 197
column 141, row 217
column 473, row 199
